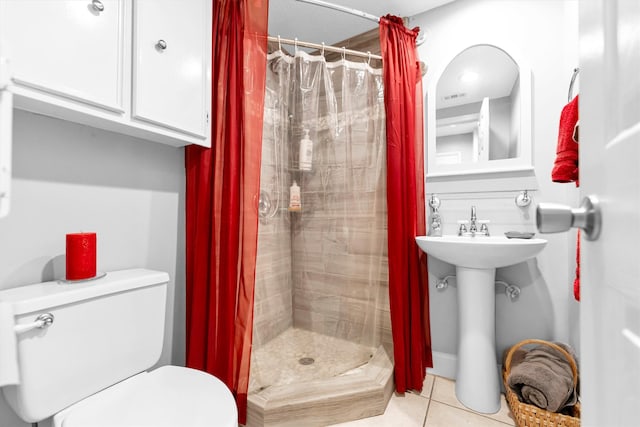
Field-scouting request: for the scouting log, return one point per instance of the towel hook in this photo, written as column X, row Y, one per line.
column 523, row 199
column 573, row 80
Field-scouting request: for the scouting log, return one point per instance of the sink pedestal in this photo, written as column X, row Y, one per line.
column 476, row 259
column 478, row 379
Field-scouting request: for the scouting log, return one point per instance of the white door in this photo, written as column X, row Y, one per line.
column 610, row 169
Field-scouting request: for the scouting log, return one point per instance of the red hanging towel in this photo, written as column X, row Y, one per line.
column 565, row 168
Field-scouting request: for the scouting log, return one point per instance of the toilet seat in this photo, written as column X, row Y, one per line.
column 169, row 396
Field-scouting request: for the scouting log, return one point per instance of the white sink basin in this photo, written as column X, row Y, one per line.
column 476, row 259
column 480, row 251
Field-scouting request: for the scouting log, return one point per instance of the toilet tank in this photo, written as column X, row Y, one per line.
column 103, row 332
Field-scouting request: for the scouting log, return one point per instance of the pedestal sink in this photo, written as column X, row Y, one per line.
column 476, row 259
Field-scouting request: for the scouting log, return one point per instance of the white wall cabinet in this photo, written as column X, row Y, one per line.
column 66, row 48
column 169, row 73
column 100, row 63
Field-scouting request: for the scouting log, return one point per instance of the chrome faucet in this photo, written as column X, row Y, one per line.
column 473, row 227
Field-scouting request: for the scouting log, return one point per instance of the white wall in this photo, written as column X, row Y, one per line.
column 70, row 178
column 544, row 32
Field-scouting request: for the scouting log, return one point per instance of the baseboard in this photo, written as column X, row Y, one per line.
column 444, row 365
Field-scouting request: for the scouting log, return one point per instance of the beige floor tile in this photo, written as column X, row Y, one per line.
column 504, row 414
column 444, row 392
column 427, row 386
column 406, row 411
column 442, row 415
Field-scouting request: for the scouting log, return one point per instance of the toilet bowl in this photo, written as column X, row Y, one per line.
column 88, row 365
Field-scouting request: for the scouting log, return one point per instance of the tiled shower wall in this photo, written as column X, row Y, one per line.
column 340, row 288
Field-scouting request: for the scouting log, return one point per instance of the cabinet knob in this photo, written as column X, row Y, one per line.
column 162, row 45
column 97, row 5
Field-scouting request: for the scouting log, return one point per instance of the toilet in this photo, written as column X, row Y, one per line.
column 78, row 355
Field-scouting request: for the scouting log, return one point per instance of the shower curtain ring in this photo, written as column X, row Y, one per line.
column 344, row 52
column 295, row 45
column 322, row 48
column 279, row 44
column 369, row 57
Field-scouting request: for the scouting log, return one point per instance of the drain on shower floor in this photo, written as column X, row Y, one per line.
column 306, row 360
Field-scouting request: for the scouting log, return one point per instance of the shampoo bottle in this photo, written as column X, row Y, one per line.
column 306, row 152
column 294, row 197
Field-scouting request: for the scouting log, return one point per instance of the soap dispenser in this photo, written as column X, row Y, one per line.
column 306, row 152
column 294, row 198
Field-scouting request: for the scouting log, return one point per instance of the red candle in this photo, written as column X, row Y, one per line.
column 81, row 256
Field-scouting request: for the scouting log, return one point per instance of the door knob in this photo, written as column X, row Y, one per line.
column 555, row 218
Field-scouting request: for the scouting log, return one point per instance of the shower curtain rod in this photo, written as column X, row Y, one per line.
column 349, row 10
column 323, row 47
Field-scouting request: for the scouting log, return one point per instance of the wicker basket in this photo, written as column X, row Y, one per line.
column 530, row 415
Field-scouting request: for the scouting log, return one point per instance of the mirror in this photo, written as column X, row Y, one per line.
column 479, row 114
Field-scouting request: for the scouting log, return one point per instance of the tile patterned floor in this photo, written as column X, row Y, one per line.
column 436, row 406
column 278, row 361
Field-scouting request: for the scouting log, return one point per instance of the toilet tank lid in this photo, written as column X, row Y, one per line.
column 30, row 298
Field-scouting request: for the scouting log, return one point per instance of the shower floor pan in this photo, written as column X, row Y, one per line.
column 308, row 379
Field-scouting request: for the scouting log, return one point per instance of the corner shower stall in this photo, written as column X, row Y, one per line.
column 322, row 335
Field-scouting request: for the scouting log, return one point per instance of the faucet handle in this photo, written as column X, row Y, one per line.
column 484, row 228
column 462, row 226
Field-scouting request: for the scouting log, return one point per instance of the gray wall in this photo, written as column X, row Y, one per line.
column 70, row 178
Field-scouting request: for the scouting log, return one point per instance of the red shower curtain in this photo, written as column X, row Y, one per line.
column 408, row 286
column 222, row 200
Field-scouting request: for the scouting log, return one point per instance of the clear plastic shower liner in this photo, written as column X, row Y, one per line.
column 321, row 280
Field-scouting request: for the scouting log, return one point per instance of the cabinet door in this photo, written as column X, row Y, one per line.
column 170, row 63
column 68, row 48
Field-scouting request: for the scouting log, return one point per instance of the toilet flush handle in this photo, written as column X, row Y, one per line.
column 42, row 321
